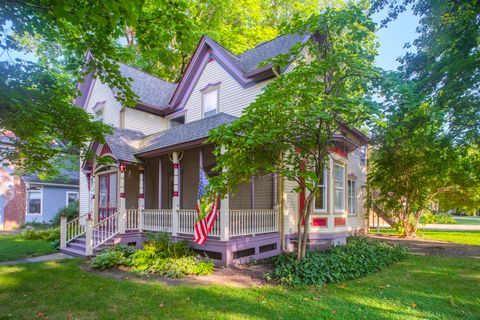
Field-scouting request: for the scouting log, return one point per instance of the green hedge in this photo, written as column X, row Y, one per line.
column 358, row 258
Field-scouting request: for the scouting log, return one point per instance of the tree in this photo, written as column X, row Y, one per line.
column 446, row 62
column 413, row 160
column 238, row 25
column 157, row 35
column 289, row 129
column 36, row 104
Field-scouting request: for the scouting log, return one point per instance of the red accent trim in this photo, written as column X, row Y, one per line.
column 175, row 193
column 176, row 165
column 319, row 222
column 140, row 196
column 340, row 221
column 122, row 195
column 88, row 181
column 105, row 149
column 123, row 167
column 338, row 151
column 211, row 60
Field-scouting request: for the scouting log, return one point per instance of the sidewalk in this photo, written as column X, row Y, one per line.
column 48, row 257
column 451, row 227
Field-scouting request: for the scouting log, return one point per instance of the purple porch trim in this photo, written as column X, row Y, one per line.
column 227, row 249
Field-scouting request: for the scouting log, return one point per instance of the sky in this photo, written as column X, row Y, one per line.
column 391, row 40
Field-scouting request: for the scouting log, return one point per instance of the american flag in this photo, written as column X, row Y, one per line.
column 203, row 226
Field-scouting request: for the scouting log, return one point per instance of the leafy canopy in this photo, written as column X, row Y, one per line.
column 290, row 128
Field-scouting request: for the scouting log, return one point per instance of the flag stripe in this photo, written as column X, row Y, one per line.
column 203, row 226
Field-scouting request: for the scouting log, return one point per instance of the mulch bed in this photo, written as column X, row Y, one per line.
column 433, row 247
column 241, row 276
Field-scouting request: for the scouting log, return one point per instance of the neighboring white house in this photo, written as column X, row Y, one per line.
column 158, row 147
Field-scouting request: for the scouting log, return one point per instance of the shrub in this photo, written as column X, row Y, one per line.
column 107, row 259
column 113, row 256
column 71, row 211
column 440, row 218
column 358, row 258
column 47, row 235
column 167, row 258
column 181, row 267
column 445, row 218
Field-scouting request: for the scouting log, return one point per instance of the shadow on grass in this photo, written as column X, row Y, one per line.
column 420, row 287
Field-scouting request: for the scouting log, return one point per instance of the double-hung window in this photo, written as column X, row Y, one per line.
column 210, row 102
column 320, row 201
column 352, row 197
column 34, row 202
column 72, row 197
column 339, row 187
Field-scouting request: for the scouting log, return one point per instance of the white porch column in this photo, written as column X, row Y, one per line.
column 224, row 214
column 176, row 194
column 141, row 195
column 122, row 218
column 89, row 236
column 63, row 231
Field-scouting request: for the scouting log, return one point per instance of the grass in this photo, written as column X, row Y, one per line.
column 461, row 237
column 471, row 221
column 13, row 247
column 417, row 288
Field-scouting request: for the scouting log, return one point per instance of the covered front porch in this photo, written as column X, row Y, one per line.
column 158, row 193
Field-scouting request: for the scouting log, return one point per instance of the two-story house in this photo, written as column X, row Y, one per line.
column 158, row 148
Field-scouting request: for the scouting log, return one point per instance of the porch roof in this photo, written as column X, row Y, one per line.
column 123, row 143
column 189, row 132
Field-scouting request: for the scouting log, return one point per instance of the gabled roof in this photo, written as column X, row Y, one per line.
column 192, row 131
column 123, row 143
column 152, row 91
column 244, row 67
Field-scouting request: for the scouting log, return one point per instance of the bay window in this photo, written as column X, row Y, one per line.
column 320, row 200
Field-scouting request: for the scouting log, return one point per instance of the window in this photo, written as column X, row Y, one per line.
column 320, row 200
column 34, row 202
column 210, row 103
column 339, row 187
column 177, row 121
column 352, row 197
column 98, row 116
column 72, row 197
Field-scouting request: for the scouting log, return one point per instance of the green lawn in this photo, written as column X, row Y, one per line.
column 13, row 247
column 461, row 237
column 471, row 221
column 417, row 288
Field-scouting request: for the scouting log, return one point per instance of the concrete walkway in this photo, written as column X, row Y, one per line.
column 48, row 257
column 451, row 227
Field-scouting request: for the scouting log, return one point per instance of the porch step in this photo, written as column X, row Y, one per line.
column 77, row 247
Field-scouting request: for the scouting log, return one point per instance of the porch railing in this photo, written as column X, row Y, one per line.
column 132, row 220
column 105, row 230
column 76, row 228
column 252, row 221
column 157, row 220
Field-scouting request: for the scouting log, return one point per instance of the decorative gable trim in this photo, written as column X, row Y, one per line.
column 211, row 86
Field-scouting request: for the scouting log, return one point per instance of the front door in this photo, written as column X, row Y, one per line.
column 107, row 195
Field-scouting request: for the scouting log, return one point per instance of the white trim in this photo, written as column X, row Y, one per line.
column 69, row 192
column 209, row 90
column 344, row 209
column 27, row 213
column 325, row 195
column 354, row 198
column 47, row 184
